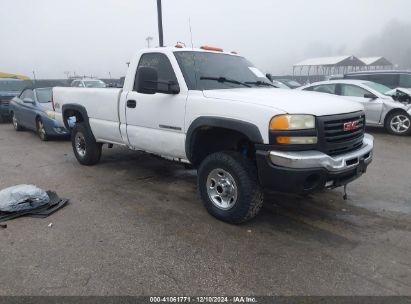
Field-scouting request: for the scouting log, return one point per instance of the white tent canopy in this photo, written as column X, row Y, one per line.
column 325, row 66
column 331, row 61
column 376, row 61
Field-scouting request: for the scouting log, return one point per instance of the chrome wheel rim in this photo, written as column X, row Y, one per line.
column 15, row 124
column 222, row 189
column 400, row 123
column 41, row 130
column 80, row 144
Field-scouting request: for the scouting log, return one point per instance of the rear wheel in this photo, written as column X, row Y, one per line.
column 16, row 124
column 85, row 147
column 398, row 123
column 229, row 188
column 41, row 130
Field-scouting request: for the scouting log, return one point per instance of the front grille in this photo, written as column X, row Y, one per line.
column 337, row 141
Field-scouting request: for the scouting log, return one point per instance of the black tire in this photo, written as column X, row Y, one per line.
column 249, row 198
column 16, row 124
column 41, row 130
column 396, row 117
column 87, row 151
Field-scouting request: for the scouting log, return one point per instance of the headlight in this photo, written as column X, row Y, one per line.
column 51, row 114
column 292, row 122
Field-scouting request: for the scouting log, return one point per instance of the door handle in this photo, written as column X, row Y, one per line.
column 131, row 103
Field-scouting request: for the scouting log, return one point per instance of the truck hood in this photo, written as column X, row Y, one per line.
column 288, row 101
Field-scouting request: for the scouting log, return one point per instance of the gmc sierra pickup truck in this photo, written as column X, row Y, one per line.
column 217, row 112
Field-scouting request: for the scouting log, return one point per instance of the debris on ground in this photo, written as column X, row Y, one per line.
column 22, row 197
column 28, row 200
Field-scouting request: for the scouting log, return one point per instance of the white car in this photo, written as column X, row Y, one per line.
column 382, row 107
column 88, row 83
column 218, row 112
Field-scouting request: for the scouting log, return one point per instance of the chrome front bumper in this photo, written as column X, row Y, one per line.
column 316, row 159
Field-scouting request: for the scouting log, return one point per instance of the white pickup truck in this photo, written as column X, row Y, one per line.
column 218, row 112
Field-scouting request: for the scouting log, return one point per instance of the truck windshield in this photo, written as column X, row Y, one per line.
column 12, row 85
column 213, row 71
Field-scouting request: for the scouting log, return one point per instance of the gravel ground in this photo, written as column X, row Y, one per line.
column 135, row 226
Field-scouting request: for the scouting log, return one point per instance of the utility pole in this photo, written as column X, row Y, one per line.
column 160, row 23
column 34, row 76
column 149, row 38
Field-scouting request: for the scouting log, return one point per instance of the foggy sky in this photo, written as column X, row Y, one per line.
column 99, row 36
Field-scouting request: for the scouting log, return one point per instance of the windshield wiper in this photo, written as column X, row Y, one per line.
column 223, row 79
column 261, row 83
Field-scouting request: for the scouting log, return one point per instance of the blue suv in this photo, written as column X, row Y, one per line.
column 9, row 88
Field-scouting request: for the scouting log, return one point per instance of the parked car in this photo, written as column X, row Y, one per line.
column 276, row 83
column 9, row 88
column 383, row 106
column 88, row 83
column 292, row 84
column 280, row 85
column 215, row 111
column 392, row 79
column 33, row 110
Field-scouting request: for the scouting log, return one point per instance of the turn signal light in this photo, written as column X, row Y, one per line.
column 297, row 140
column 279, row 123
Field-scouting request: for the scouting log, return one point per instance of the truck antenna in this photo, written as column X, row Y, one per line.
column 191, row 32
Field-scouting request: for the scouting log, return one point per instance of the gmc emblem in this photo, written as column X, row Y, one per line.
column 351, row 125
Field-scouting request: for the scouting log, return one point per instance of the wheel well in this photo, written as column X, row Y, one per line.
column 72, row 113
column 208, row 140
column 394, row 111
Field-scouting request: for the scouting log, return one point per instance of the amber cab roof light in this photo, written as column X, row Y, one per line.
column 211, row 48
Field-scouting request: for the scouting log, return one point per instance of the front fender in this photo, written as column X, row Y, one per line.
column 250, row 130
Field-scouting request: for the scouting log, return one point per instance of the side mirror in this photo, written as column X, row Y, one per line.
column 168, row 87
column 28, row 100
column 370, row 95
column 269, row 77
column 147, row 83
column 146, row 80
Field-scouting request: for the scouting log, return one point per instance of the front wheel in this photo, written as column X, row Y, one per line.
column 41, row 130
column 16, row 124
column 229, row 188
column 85, row 147
column 398, row 123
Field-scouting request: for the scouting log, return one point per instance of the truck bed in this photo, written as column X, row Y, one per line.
column 102, row 109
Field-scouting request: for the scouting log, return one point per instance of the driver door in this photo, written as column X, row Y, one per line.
column 26, row 117
column 373, row 107
column 155, row 122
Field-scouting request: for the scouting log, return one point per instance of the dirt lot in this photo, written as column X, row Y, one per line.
column 135, row 226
